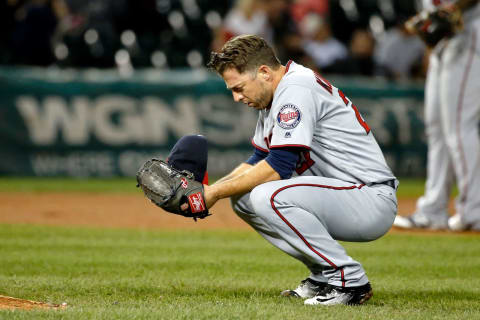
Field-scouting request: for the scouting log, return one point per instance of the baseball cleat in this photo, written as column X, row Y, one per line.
column 455, row 223
column 308, row 288
column 419, row 220
column 342, row 295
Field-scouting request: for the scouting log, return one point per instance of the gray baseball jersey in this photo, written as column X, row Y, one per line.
column 340, row 189
column 307, row 111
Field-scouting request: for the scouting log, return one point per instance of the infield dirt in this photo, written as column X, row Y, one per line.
column 117, row 211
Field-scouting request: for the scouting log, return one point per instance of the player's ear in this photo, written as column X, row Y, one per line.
column 264, row 72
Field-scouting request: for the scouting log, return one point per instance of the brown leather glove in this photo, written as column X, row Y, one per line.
column 170, row 189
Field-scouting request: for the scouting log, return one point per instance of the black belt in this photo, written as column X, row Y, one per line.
column 390, row 183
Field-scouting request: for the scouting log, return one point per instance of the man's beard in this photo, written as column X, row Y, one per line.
column 264, row 100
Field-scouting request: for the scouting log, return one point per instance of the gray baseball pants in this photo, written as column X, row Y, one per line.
column 305, row 216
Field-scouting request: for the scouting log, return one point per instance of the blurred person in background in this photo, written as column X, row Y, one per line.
column 361, row 51
column 246, row 17
column 7, row 25
column 359, row 60
column 269, row 19
column 90, row 33
column 34, row 23
column 300, row 8
column 291, row 44
column 452, row 115
column 286, row 38
column 318, row 42
column 399, row 53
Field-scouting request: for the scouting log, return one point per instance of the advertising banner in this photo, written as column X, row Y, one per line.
column 95, row 123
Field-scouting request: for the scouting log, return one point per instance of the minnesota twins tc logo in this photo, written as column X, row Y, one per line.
column 289, row 116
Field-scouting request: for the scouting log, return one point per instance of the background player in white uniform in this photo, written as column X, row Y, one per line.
column 317, row 174
column 452, row 115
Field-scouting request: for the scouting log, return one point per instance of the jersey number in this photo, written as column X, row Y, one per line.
column 327, row 86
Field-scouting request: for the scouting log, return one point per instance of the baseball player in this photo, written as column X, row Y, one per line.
column 317, row 174
column 452, row 114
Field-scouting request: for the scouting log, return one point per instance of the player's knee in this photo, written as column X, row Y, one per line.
column 260, row 199
column 241, row 204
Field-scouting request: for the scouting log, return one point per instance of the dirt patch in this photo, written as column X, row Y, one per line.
column 15, row 303
column 105, row 210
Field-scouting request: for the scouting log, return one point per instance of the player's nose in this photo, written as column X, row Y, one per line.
column 237, row 97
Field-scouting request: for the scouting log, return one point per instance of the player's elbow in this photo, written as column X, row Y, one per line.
column 259, row 197
column 283, row 162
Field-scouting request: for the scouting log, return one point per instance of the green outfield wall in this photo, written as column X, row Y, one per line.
column 57, row 122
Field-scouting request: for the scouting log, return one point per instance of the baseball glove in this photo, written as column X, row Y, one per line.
column 437, row 25
column 170, row 189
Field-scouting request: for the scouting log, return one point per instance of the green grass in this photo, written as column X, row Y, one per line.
column 135, row 274
column 409, row 187
column 29, row 184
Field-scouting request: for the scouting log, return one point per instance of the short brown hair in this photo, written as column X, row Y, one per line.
column 244, row 53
